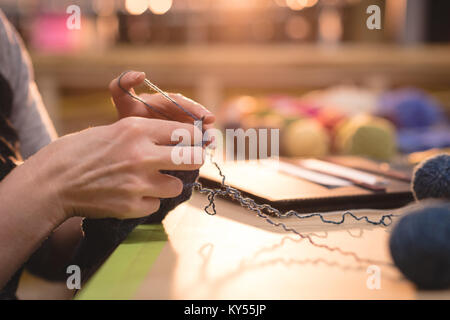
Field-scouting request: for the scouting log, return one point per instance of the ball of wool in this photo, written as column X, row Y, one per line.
column 412, row 140
column 409, row 108
column 305, row 138
column 368, row 136
column 420, row 247
column 102, row 236
column 432, row 178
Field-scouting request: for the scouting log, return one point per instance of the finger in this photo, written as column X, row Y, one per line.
column 194, row 107
column 180, row 158
column 189, row 111
column 139, row 208
column 164, row 185
column 173, row 132
column 121, row 88
column 150, row 205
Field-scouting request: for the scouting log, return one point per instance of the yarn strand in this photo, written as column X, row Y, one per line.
column 252, row 205
column 233, row 193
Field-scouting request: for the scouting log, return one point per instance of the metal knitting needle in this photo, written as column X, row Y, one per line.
column 198, row 122
column 155, row 88
column 165, row 95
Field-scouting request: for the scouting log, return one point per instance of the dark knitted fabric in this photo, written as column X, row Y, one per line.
column 102, row 236
column 43, row 263
column 9, row 146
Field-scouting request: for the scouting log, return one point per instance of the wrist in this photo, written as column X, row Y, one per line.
column 40, row 190
column 28, row 215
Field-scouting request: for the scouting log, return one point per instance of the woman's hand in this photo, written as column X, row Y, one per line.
column 111, row 171
column 127, row 106
column 114, row 171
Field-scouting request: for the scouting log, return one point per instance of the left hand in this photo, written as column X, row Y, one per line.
column 127, row 106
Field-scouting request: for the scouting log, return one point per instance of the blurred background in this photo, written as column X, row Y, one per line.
column 309, row 67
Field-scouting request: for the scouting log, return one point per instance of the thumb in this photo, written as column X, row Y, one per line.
column 120, row 88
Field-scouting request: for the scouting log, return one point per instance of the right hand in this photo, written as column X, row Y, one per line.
column 112, row 171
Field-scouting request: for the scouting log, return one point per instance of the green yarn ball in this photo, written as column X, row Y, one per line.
column 367, row 136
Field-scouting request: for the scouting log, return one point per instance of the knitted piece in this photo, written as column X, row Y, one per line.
column 102, row 236
column 8, row 292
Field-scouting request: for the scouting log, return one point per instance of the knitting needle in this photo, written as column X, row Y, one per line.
column 306, row 174
column 353, row 176
column 165, row 95
column 153, row 86
column 343, row 171
column 157, row 89
column 383, row 169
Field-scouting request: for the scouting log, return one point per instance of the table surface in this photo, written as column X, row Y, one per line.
column 237, row 255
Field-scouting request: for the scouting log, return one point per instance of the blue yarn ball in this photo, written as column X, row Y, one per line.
column 420, row 247
column 412, row 140
column 432, row 178
column 410, row 108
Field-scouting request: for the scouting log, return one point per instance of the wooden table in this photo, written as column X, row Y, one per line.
column 237, row 255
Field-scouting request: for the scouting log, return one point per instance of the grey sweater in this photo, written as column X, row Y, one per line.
column 24, row 124
column 28, row 117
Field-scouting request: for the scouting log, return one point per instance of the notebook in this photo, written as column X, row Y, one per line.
column 315, row 185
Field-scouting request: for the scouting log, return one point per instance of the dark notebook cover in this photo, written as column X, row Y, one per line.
column 285, row 192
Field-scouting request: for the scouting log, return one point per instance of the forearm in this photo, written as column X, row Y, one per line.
column 53, row 256
column 28, row 214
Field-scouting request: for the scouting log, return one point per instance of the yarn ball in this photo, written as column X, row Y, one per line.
column 368, row 136
column 409, row 108
column 305, row 138
column 412, row 140
column 432, row 178
column 420, row 247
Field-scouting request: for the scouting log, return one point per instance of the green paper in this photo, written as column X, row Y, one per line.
column 122, row 273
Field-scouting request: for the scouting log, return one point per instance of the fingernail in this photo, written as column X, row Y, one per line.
column 136, row 75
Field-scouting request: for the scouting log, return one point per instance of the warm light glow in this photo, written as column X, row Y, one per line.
column 160, row 6
column 306, row 3
column 136, row 7
column 295, row 4
column 310, row 3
